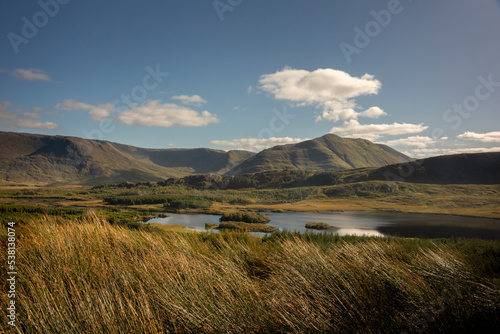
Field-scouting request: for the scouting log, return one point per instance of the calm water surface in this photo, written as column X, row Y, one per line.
column 363, row 223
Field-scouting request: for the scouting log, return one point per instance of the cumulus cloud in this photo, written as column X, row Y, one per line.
column 32, row 124
column 373, row 112
column 489, row 137
column 97, row 113
column 426, row 152
column 150, row 113
column 414, row 141
column 12, row 120
column 156, row 114
column 256, row 144
column 31, row 74
column 332, row 91
column 188, row 100
column 354, row 129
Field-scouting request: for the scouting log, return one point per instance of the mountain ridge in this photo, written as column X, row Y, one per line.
column 39, row 159
column 329, row 152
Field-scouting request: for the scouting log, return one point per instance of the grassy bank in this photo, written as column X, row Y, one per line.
column 93, row 277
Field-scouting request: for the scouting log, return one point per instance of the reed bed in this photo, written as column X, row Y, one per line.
column 93, row 277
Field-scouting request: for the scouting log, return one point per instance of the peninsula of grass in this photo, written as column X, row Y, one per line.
column 209, row 226
column 248, row 227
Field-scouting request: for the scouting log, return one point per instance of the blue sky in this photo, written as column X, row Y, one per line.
column 422, row 76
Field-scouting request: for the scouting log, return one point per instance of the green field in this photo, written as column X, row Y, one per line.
column 467, row 200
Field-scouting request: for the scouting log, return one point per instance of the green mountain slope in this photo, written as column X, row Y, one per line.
column 38, row 159
column 479, row 168
column 329, row 152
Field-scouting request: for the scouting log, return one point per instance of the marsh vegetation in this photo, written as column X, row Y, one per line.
column 91, row 276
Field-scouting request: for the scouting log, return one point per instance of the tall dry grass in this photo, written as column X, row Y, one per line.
column 90, row 277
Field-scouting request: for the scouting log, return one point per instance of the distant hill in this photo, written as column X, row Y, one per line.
column 329, row 152
column 479, row 168
column 39, row 159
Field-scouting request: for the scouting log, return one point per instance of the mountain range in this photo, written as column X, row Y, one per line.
column 42, row 160
column 39, row 159
column 476, row 168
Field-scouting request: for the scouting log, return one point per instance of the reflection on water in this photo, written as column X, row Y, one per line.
column 362, row 223
column 191, row 221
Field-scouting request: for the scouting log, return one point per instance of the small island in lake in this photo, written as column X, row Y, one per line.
column 318, row 226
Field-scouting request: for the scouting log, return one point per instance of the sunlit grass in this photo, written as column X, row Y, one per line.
column 92, row 277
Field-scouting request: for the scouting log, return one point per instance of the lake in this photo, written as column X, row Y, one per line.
column 363, row 223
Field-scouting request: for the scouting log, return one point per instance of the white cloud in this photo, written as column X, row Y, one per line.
column 32, row 124
column 97, row 113
column 332, row 91
column 156, row 114
column 337, row 110
column 32, row 114
column 426, row 152
column 13, row 120
column 489, row 137
column 187, row 100
column 31, row 74
column 415, row 141
column 354, row 129
column 70, row 105
column 150, row 113
column 373, row 112
column 256, row 144
column 249, row 89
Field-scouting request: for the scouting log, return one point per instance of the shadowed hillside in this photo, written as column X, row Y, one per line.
column 38, row 159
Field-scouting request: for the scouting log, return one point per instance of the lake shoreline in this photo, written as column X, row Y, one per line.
column 379, row 224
